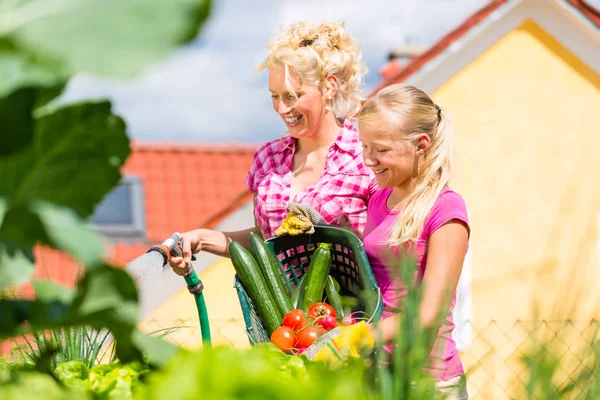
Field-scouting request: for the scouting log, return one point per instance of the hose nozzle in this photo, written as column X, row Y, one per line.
column 172, row 247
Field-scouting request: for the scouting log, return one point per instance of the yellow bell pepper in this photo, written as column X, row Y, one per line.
column 345, row 342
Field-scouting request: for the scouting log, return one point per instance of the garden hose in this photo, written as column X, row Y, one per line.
column 196, row 287
column 172, row 247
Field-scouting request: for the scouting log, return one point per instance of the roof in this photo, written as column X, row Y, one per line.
column 185, row 186
column 188, row 186
column 588, row 10
column 396, row 73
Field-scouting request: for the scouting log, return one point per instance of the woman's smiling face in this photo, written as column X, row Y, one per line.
column 303, row 112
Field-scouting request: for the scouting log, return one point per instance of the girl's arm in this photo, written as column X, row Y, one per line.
column 445, row 256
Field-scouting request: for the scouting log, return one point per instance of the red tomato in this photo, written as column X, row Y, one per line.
column 306, row 336
column 320, row 309
column 327, row 322
column 295, row 319
column 284, row 338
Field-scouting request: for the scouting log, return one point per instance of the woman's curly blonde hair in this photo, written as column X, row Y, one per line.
column 317, row 52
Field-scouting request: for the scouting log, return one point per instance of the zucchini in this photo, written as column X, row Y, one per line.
column 318, row 270
column 332, row 290
column 297, row 291
column 268, row 265
column 249, row 273
column 349, row 303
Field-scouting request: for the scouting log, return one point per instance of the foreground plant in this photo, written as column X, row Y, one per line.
column 263, row 372
column 58, row 161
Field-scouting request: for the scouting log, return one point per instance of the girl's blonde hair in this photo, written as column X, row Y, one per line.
column 410, row 112
column 317, row 52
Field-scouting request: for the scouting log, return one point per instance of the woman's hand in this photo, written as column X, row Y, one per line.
column 214, row 242
column 191, row 244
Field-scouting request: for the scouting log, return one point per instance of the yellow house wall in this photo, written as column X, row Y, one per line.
column 224, row 312
column 527, row 121
column 527, row 134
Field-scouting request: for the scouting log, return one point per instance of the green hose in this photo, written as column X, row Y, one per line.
column 193, row 282
column 203, row 315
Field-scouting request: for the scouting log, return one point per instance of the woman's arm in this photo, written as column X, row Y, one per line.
column 208, row 240
column 445, row 256
column 215, row 242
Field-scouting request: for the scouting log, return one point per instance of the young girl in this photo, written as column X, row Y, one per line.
column 407, row 142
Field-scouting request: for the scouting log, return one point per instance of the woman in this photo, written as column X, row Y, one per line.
column 314, row 78
column 408, row 144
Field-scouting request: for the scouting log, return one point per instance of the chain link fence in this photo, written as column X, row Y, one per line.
column 494, row 358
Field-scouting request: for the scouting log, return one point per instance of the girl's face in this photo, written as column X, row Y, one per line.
column 303, row 115
column 394, row 161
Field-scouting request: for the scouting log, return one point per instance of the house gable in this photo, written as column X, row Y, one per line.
column 573, row 23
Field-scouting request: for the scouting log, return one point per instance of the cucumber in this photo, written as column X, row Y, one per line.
column 297, row 291
column 249, row 273
column 268, row 265
column 318, row 270
column 332, row 289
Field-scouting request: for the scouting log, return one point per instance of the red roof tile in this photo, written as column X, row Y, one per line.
column 441, row 45
column 591, row 12
column 188, row 186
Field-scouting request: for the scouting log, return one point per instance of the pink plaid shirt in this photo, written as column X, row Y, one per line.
column 340, row 195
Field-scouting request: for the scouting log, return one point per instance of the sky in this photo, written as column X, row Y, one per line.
column 207, row 91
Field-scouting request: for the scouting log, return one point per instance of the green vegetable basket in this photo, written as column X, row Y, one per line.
column 350, row 267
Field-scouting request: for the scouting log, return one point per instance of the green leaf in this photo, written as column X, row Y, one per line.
column 46, row 223
column 47, row 291
column 43, row 42
column 16, row 264
column 23, row 69
column 35, row 385
column 72, row 373
column 16, row 114
column 74, row 159
column 158, row 352
column 14, row 314
column 66, row 231
column 16, row 119
column 114, row 381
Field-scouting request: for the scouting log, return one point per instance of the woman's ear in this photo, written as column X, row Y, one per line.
column 331, row 88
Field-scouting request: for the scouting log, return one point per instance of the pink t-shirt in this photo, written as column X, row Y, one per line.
column 340, row 195
column 444, row 361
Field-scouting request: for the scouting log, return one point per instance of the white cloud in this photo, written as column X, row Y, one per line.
column 208, row 91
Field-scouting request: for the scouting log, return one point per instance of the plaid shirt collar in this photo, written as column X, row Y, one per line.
column 346, row 140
